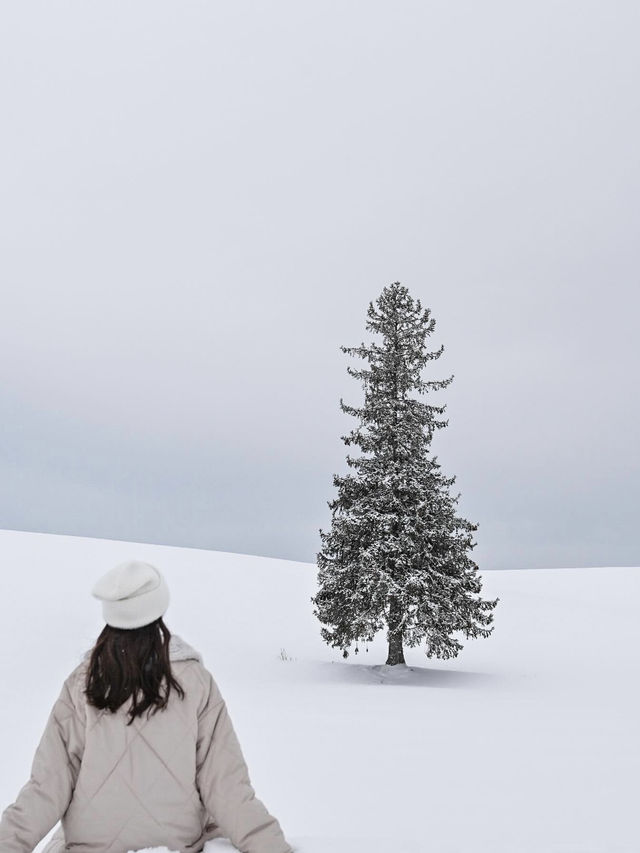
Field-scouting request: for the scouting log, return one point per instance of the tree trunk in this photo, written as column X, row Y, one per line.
column 394, row 635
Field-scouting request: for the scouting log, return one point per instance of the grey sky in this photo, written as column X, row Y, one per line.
column 199, row 200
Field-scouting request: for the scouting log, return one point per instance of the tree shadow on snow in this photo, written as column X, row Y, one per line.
column 403, row 675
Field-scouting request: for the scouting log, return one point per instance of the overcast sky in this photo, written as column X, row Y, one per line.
column 200, row 199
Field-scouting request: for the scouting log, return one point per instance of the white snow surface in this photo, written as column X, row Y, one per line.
column 526, row 743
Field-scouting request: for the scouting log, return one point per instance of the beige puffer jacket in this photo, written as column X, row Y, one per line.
column 175, row 779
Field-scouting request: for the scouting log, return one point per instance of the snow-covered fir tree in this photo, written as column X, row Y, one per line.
column 396, row 555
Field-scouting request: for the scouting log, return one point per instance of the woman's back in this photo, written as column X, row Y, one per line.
column 136, row 786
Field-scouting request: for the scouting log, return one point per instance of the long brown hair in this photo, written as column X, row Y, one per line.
column 128, row 661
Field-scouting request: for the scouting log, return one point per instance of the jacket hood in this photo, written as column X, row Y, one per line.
column 179, row 649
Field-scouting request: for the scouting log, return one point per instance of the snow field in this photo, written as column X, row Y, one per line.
column 526, row 743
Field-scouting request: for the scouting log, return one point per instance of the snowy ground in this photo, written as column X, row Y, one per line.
column 527, row 743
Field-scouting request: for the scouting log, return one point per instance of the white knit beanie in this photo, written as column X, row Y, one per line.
column 133, row 594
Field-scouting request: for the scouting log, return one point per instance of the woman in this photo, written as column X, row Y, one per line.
column 164, row 769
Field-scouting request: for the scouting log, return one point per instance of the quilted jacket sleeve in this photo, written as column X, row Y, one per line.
column 43, row 800
column 224, row 784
